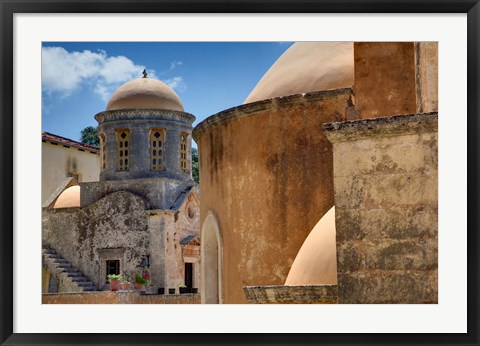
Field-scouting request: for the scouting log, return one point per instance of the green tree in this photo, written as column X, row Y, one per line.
column 89, row 135
column 195, row 173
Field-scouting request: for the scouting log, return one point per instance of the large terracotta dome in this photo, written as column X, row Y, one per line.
column 307, row 67
column 145, row 93
column 69, row 198
column 316, row 262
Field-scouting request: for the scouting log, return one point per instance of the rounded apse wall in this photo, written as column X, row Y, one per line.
column 266, row 172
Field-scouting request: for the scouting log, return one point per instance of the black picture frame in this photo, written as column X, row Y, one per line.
column 9, row 7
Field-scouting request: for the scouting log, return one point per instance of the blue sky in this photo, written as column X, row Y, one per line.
column 79, row 77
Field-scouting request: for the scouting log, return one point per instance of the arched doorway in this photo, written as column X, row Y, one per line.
column 211, row 254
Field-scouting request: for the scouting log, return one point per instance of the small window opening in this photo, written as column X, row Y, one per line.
column 183, row 152
column 113, row 267
column 157, row 159
column 103, row 150
column 123, row 137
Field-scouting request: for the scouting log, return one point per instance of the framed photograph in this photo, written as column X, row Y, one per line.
column 239, row 173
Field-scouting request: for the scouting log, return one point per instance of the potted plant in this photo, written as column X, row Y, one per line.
column 171, row 291
column 141, row 280
column 182, row 288
column 114, row 280
column 161, row 290
column 125, row 285
column 194, row 290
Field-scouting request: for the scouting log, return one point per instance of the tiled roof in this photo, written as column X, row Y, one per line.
column 181, row 198
column 190, row 238
column 67, row 142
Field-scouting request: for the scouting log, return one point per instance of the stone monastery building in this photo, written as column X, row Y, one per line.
column 321, row 188
column 142, row 215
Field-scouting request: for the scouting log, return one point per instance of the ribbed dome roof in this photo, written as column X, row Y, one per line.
column 307, row 67
column 69, row 198
column 316, row 262
column 145, row 93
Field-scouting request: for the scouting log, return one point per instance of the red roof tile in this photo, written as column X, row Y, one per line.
column 50, row 137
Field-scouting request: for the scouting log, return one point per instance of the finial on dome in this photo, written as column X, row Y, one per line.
column 144, row 73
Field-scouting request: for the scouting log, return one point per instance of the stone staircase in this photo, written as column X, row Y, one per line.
column 71, row 278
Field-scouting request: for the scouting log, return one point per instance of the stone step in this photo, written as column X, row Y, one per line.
column 47, row 249
column 85, row 284
column 70, row 270
column 60, row 260
column 67, row 268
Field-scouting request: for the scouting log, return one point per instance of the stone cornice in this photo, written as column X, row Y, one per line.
column 304, row 294
column 394, row 125
column 144, row 114
column 259, row 106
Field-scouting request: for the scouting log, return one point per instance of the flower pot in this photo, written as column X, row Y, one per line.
column 114, row 285
column 125, row 286
column 189, row 290
column 138, row 286
column 183, row 290
column 161, row 290
column 171, row 291
column 194, row 290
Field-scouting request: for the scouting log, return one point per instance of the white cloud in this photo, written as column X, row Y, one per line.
column 65, row 72
column 119, row 69
column 104, row 91
column 175, row 63
column 177, row 83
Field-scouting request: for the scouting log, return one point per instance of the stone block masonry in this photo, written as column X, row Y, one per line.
column 386, row 198
column 307, row 294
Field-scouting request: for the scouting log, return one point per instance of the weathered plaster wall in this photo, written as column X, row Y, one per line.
column 386, row 208
column 266, row 173
column 159, row 193
column 157, row 224
column 60, row 163
column 426, row 54
column 385, row 82
column 117, row 221
column 395, row 78
column 176, row 253
column 129, row 297
column 168, row 228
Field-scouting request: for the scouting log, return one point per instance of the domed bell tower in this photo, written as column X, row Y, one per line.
column 145, row 207
column 145, row 133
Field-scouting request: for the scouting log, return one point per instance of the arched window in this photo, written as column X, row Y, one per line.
column 102, row 151
column 157, row 150
column 123, row 143
column 183, row 152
